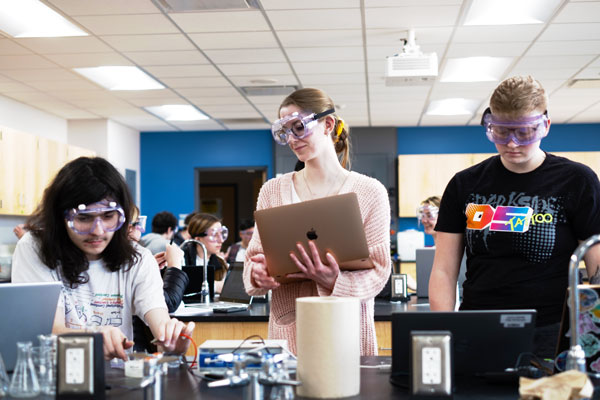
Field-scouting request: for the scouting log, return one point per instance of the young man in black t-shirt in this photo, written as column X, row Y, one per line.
column 520, row 215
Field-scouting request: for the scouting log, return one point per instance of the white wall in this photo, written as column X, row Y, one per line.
column 31, row 120
column 89, row 134
column 123, row 147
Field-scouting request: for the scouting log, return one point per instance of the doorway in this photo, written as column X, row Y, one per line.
column 230, row 194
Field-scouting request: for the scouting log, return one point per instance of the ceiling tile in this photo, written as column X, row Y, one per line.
column 321, row 38
column 104, row 7
column 500, row 49
column 249, row 126
column 306, row 19
column 565, row 48
column 127, row 24
column 579, row 12
column 320, row 79
column 191, row 82
column 328, row 67
column 233, row 21
column 159, row 101
column 397, row 3
column 133, row 94
column 423, row 35
column 170, row 42
column 74, row 84
column 248, row 80
column 411, row 17
column 202, row 101
column 235, row 113
column 200, row 92
column 234, row 40
column 58, row 45
column 255, row 69
column 88, row 59
column 30, row 75
column 589, row 73
column 496, row 33
column 11, row 86
column 308, row 4
column 208, row 125
column 10, row 48
column 354, row 53
column 180, row 71
column 550, row 62
column 579, row 31
column 24, row 62
column 243, row 56
column 439, row 120
column 382, row 52
column 147, row 58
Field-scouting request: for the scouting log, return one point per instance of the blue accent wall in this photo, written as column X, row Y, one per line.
column 168, row 161
column 472, row 139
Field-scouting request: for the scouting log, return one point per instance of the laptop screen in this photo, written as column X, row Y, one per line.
column 36, row 301
column 483, row 341
column 233, row 287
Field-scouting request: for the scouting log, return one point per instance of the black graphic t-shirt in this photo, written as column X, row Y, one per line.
column 520, row 231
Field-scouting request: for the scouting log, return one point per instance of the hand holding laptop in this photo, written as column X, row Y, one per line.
column 260, row 275
column 313, row 268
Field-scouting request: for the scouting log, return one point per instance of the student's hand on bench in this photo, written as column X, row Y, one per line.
column 115, row 342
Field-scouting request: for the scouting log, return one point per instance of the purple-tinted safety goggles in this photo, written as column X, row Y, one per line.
column 523, row 131
column 84, row 219
column 299, row 124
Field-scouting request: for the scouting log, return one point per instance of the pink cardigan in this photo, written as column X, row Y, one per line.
column 364, row 284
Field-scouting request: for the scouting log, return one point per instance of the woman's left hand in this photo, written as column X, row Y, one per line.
column 312, row 268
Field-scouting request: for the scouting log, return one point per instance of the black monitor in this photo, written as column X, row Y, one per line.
column 196, row 275
column 484, row 342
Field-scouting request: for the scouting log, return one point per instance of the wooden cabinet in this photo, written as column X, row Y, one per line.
column 27, row 164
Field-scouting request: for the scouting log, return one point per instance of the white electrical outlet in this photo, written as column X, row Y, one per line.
column 431, row 363
column 74, row 365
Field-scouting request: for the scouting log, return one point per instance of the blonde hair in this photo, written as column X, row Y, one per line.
column 317, row 101
column 433, row 201
column 517, row 96
column 199, row 224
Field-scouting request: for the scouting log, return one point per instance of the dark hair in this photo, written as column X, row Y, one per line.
column 163, row 221
column 81, row 181
column 246, row 223
column 197, row 227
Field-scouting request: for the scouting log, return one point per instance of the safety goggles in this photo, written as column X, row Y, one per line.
column 140, row 224
column 214, row 234
column 427, row 212
column 84, row 219
column 300, row 124
column 523, row 131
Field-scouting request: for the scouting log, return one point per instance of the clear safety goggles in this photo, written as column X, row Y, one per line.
column 523, row 131
column 427, row 212
column 140, row 224
column 299, row 124
column 214, row 234
column 84, row 219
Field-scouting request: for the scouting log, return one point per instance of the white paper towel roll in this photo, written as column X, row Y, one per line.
column 328, row 340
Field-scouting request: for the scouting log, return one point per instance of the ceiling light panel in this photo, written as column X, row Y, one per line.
column 232, row 21
column 474, row 69
column 500, row 49
column 127, row 24
column 452, row 106
column 509, row 12
column 306, row 19
column 120, row 78
column 32, row 18
column 496, row 33
column 177, row 112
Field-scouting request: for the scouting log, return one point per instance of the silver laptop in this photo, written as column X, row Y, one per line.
column 37, row 302
column 424, row 264
column 233, row 296
column 334, row 223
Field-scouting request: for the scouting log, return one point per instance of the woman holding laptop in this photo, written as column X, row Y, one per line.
column 320, row 139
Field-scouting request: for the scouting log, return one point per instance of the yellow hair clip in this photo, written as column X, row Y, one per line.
column 340, row 127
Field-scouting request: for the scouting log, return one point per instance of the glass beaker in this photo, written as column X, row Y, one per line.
column 4, row 381
column 24, row 381
column 47, row 364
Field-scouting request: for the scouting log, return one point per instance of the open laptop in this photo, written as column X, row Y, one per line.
column 233, row 296
column 484, row 341
column 36, row 305
column 194, row 287
column 424, row 265
column 334, row 223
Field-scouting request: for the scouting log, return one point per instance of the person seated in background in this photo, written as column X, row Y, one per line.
column 207, row 228
column 182, row 234
column 516, row 260
column 76, row 237
column 427, row 214
column 237, row 251
column 163, row 228
column 175, row 281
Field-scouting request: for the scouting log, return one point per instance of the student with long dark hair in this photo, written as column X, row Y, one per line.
column 78, row 236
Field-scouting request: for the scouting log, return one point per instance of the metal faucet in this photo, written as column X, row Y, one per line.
column 204, row 293
column 576, row 355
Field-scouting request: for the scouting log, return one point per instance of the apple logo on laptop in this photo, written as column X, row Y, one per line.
column 312, row 234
